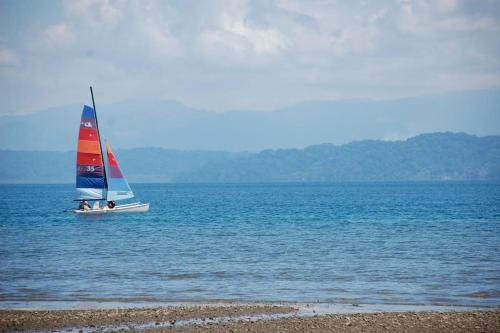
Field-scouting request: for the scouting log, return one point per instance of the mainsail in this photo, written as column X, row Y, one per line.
column 90, row 174
column 118, row 188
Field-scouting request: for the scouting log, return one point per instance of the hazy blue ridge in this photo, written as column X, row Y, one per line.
column 172, row 125
column 427, row 157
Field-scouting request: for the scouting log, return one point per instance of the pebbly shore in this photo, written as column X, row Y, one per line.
column 407, row 322
column 242, row 318
column 49, row 320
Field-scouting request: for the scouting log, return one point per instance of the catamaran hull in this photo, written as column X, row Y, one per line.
column 135, row 207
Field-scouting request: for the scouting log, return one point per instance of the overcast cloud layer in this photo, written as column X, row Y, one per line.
column 224, row 55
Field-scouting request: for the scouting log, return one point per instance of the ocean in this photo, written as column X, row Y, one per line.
column 354, row 243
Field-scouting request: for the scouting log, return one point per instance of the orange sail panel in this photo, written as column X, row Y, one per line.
column 90, row 147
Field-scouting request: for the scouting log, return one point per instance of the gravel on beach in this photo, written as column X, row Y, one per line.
column 36, row 320
column 24, row 320
column 406, row 322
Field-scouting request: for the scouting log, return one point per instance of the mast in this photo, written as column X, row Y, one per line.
column 100, row 146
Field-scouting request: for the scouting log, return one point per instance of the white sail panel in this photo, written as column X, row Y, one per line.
column 90, row 194
column 119, row 195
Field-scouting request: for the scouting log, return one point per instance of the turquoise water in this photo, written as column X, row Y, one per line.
column 384, row 243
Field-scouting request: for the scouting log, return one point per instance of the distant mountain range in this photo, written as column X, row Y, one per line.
column 426, row 157
column 171, row 125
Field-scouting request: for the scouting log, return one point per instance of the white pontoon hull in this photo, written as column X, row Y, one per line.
column 135, row 207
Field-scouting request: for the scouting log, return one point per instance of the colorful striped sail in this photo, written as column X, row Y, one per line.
column 90, row 175
column 118, row 188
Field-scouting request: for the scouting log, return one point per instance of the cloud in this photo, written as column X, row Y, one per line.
column 159, row 42
column 465, row 24
column 57, row 36
column 263, row 40
column 263, row 54
column 8, row 58
column 95, row 12
column 446, row 6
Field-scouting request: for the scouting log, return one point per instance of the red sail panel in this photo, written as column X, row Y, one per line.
column 114, row 168
column 88, row 159
column 89, row 134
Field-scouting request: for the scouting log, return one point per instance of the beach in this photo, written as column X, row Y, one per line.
column 244, row 318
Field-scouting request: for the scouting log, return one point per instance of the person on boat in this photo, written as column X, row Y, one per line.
column 111, row 204
column 84, row 205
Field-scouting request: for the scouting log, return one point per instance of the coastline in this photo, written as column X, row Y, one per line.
column 254, row 317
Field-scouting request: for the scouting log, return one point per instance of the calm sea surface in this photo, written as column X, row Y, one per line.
column 392, row 243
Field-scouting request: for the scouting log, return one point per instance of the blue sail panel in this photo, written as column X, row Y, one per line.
column 89, row 182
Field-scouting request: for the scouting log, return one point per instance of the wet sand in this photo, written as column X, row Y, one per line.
column 243, row 318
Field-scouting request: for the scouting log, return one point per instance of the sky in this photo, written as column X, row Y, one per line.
column 252, row 55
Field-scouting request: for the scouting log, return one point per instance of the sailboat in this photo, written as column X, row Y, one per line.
column 99, row 178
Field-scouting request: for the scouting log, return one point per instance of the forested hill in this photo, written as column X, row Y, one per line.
column 439, row 156
column 427, row 157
